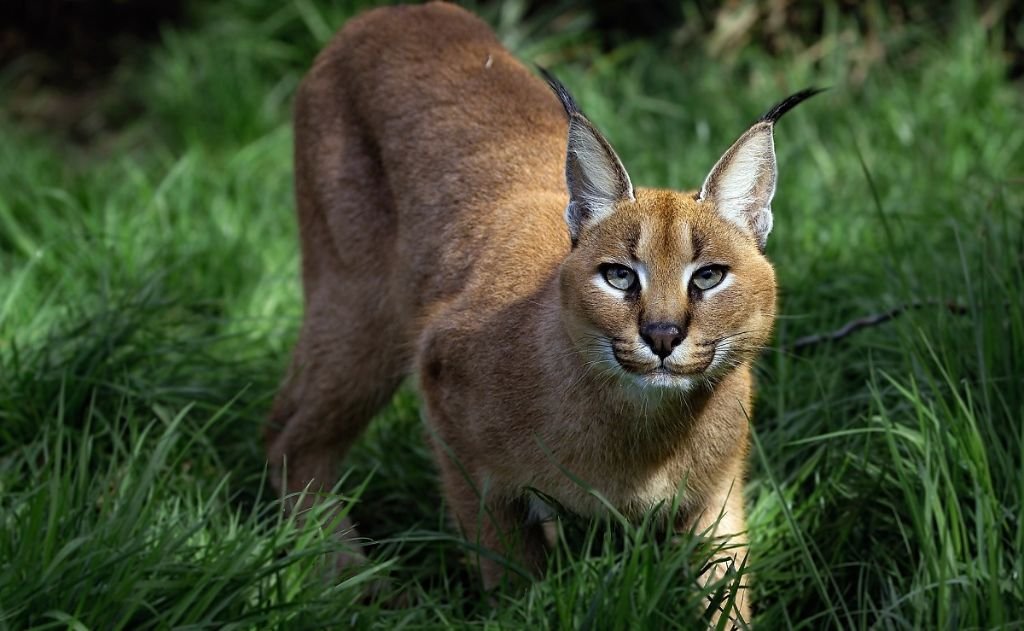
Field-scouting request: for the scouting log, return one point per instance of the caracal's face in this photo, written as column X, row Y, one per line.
column 665, row 293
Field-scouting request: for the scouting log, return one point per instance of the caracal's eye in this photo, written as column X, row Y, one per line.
column 619, row 276
column 707, row 277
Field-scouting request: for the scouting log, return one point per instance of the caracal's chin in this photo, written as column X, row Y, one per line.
column 662, row 379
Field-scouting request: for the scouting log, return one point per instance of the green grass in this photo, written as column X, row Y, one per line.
column 149, row 297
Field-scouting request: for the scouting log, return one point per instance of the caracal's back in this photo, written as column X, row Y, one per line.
column 421, row 140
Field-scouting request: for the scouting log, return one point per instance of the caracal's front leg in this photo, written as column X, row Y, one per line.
column 724, row 521
column 504, row 544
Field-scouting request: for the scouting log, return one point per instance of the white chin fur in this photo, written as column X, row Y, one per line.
column 662, row 381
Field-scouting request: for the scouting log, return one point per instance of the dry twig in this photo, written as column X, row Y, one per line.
column 851, row 327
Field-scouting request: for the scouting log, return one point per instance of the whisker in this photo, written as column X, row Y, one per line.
column 718, row 340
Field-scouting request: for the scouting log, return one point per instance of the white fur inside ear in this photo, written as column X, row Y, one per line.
column 595, row 175
column 742, row 182
column 600, row 182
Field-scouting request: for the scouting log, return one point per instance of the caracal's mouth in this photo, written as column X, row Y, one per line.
column 661, row 378
column 663, row 374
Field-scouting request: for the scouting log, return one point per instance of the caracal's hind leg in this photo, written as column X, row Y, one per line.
column 351, row 354
column 336, row 384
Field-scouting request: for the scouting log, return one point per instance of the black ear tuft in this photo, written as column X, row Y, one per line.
column 594, row 176
column 562, row 93
column 777, row 110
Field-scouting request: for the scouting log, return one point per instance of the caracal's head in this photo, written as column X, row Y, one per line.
column 666, row 289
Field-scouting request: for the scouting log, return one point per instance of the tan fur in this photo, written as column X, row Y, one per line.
column 430, row 185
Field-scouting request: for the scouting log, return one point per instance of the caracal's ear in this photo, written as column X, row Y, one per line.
column 742, row 183
column 593, row 173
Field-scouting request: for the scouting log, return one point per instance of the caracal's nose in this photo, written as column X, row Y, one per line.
column 662, row 337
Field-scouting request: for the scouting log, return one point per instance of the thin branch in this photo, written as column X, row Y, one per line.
column 851, row 327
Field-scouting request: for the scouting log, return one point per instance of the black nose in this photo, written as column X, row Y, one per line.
column 662, row 337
